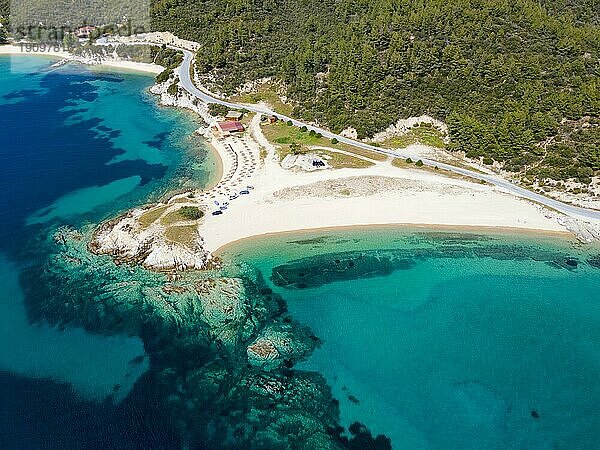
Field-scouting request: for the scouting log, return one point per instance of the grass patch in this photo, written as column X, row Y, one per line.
column 184, row 213
column 185, row 235
column 151, row 216
column 424, row 134
column 404, row 164
column 181, row 200
column 191, row 212
column 247, row 119
column 285, row 136
column 342, row 161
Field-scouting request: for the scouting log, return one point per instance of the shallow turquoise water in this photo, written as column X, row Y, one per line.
column 461, row 344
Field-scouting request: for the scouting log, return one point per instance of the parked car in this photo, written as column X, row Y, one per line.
column 244, row 192
column 217, row 213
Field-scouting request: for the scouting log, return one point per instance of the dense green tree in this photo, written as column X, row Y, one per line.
column 505, row 75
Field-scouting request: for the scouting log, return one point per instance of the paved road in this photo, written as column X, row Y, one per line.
column 205, row 96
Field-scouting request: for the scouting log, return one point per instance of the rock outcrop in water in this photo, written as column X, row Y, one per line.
column 280, row 344
column 126, row 241
column 222, row 350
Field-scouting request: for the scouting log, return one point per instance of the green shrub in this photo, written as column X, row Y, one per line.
column 217, row 110
column 334, row 141
column 173, row 89
column 296, row 148
column 191, row 212
column 409, row 161
column 419, row 163
column 501, row 74
column 164, row 75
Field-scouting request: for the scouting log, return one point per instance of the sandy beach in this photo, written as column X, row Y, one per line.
column 109, row 63
column 276, row 200
column 256, row 196
column 279, row 200
column 287, row 201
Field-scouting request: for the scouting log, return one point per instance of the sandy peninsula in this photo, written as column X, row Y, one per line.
column 261, row 192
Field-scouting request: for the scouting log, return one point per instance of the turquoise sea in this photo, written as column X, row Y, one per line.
column 418, row 338
column 447, row 339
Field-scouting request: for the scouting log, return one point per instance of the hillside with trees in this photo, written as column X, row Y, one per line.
column 73, row 14
column 503, row 74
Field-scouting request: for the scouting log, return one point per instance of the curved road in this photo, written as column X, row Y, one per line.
column 207, row 97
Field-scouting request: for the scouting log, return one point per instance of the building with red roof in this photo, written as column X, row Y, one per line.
column 222, row 129
column 231, row 126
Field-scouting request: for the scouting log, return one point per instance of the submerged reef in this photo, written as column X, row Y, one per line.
column 315, row 271
column 222, row 349
column 322, row 269
column 594, row 261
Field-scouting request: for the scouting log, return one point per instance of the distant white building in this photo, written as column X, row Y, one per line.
column 84, row 32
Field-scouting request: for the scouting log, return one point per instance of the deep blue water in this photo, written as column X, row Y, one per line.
column 77, row 142
column 77, row 146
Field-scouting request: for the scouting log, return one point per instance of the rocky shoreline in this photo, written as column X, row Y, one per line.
column 124, row 240
column 221, row 345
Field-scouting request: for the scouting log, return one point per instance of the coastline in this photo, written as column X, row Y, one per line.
column 279, row 200
column 257, row 197
column 566, row 236
column 217, row 176
column 290, row 201
column 15, row 50
column 480, row 313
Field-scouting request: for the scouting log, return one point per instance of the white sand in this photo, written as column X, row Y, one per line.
column 16, row 50
column 131, row 65
column 124, row 65
column 287, row 200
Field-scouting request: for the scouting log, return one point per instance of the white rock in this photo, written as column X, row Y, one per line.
column 404, row 125
column 350, row 133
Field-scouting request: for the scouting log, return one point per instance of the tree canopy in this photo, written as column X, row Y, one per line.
column 514, row 79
